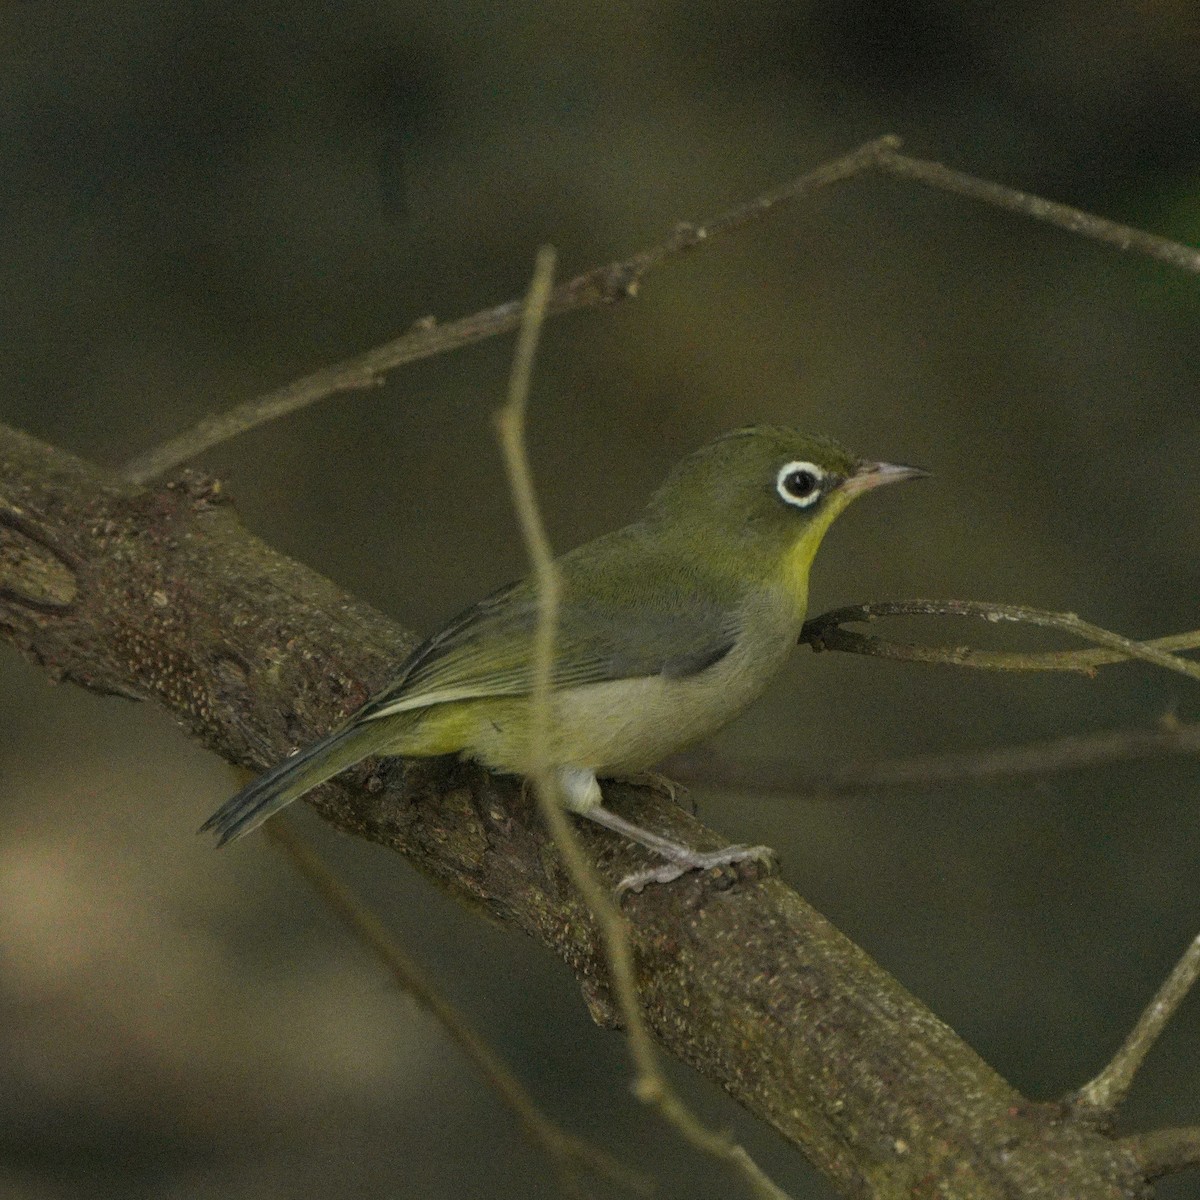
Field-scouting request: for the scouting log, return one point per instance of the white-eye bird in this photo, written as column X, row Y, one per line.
column 667, row 629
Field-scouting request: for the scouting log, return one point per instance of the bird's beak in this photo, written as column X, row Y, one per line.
column 869, row 475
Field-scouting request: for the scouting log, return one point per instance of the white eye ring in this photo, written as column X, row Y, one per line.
column 799, row 484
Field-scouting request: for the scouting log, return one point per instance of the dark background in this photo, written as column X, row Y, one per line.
column 199, row 202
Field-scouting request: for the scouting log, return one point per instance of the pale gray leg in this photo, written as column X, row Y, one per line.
column 680, row 858
column 581, row 795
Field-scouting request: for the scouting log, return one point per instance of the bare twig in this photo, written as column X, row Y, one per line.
column 826, row 633
column 510, row 426
column 1103, row 1095
column 1162, row 1152
column 566, row 1152
column 650, row 1085
column 1069, row 753
column 601, row 285
column 1099, row 229
column 620, row 280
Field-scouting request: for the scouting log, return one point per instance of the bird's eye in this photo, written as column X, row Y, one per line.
column 799, row 484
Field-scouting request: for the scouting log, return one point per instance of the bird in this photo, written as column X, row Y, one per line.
column 667, row 629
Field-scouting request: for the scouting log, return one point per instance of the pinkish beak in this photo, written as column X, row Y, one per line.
column 869, row 475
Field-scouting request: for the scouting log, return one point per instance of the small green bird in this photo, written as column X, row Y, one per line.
column 667, row 629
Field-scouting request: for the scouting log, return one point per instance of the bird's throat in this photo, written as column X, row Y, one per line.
column 798, row 560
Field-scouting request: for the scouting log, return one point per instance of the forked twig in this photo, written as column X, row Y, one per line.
column 601, row 285
column 1102, row 1095
column 650, row 1085
column 620, row 280
column 826, row 633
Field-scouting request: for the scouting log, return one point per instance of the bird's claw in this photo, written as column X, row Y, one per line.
column 695, row 860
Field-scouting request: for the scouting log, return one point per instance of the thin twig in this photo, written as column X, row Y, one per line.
column 620, row 280
column 567, row 1153
column 601, row 285
column 1103, row 1095
column 1071, row 752
column 1162, row 1152
column 1099, row 229
column 825, row 633
column 650, row 1085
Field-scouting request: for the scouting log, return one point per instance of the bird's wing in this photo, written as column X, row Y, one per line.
column 631, row 627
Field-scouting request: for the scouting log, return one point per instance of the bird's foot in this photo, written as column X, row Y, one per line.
column 679, row 858
column 686, row 860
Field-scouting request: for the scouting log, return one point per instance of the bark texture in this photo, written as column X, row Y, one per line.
column 163, row 595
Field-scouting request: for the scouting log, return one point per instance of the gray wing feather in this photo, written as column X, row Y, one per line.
column 485, row 650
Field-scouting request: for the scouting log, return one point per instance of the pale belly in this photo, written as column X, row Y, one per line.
column 626, row 725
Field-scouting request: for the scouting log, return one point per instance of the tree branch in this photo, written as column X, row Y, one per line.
column 1166, row 1151
column 602, row 285
column 620, row 280
column 1071, row 752
column 1099, row 229
column 825, row 632
column 1101, row 1096
column 164, row 595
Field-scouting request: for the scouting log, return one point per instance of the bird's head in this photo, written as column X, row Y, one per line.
column 767, row 494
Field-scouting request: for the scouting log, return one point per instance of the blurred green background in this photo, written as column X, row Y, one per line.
column 200, row 202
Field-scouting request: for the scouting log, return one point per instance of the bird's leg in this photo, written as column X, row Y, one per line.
column 680, row 858
column 581, row 794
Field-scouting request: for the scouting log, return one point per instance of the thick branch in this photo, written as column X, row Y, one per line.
column 164, row 595
column 1166, row 1151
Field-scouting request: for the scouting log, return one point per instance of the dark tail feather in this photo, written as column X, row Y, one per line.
column 290, row 779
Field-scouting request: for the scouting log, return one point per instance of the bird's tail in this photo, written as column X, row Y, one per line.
column 290, row 779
